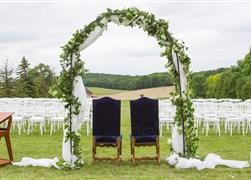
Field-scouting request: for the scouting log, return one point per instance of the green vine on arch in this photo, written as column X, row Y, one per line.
column 156, row 28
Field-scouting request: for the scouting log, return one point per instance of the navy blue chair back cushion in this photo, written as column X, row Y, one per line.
column 106, row 117
column 144, row 117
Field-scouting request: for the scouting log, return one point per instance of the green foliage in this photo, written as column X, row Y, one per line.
column 198, row 82
column 30, row 82
column 127, row 82
column 232, row 82
column 6, row 80
column 44, row 78
column 131, row 17
column 198, row 85
column 211, row 83
column 25, row 82
column 245, row 89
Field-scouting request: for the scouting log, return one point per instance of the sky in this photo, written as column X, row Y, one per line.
column 217, row 34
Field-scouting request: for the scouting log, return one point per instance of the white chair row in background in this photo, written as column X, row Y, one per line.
column 38, row 112
column 231, row 113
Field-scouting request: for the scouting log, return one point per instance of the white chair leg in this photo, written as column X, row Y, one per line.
column 54, row 127
column 29, row 126
column 207, row 128
column 41, row 128
column 23, row 126
column 87, row 128
column 19, row 126
column 239, row 124
column 219, row 128
column 51, row 127
column 160, row 129
column 231, row 128
column 243, row 128
column 203, row 127
column 44, row 127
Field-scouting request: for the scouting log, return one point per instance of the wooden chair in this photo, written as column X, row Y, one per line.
column 106, row 127
column 145, row 127
column 5, row 132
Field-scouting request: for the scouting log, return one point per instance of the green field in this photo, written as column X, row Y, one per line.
column 236, row 147
column 103, row 91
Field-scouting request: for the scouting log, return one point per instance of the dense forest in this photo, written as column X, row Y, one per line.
column 233, row 82
column 127, row 82
column 26, row 81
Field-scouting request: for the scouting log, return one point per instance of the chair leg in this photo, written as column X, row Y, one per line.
column 118, row 151
column 120, row 147
column 7, row 140
column 161, row 129
column 158, row 150
column 133, row 151
column 51, row 127
column 243, row 128
column 87, row 128
column 29, row 128
column 94, row 150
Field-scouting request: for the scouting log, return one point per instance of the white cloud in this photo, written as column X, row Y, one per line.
column 217, row 34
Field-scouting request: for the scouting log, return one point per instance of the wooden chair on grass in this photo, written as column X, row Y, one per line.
column 5, row 132
column 145, row 127
column 106, row 127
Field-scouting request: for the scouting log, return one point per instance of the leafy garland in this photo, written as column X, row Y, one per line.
column 156, row 28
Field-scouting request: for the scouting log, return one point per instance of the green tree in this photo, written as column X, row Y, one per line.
column 25, row 83
column 44, row 78
column 6, row 80
column 198, row 85
column 211, row 83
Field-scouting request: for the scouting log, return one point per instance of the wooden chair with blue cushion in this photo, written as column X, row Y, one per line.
column 106, row 126
column 145, row 126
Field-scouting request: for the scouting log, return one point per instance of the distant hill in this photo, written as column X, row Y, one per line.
column 96, row 91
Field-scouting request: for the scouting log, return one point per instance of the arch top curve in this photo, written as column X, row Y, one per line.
column 132, row 17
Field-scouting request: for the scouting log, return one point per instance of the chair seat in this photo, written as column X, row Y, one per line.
column 17, row 118
column 144, row 139
column 107, row 139
column 57, row 119
column 36, row 119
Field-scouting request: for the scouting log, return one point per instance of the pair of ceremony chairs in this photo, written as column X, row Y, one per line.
column 144, row 127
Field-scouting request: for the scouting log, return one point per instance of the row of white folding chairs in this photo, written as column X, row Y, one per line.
column 230, row 121
column 166, row 115
column 88, row 117
column 56, row 120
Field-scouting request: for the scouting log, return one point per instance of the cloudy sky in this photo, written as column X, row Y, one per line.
column 217, row 34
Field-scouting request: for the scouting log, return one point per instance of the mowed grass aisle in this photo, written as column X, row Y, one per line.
column 236, row 147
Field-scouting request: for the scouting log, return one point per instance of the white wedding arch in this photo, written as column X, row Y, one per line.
column 71, row 89
column 70, row 86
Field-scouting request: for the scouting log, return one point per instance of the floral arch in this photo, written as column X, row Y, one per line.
column 70, row 86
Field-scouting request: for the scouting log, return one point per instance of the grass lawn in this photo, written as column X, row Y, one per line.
column 103, row 91
column 236, row 147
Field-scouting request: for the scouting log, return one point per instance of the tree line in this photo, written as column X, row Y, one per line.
column 127, row 82
column 232, row 82
column 26, row 81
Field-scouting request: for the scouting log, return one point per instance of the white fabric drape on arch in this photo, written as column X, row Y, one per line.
column 177, row 137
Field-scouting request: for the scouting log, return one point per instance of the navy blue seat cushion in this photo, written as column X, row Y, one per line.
column 107, row 139
column 144, row 139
